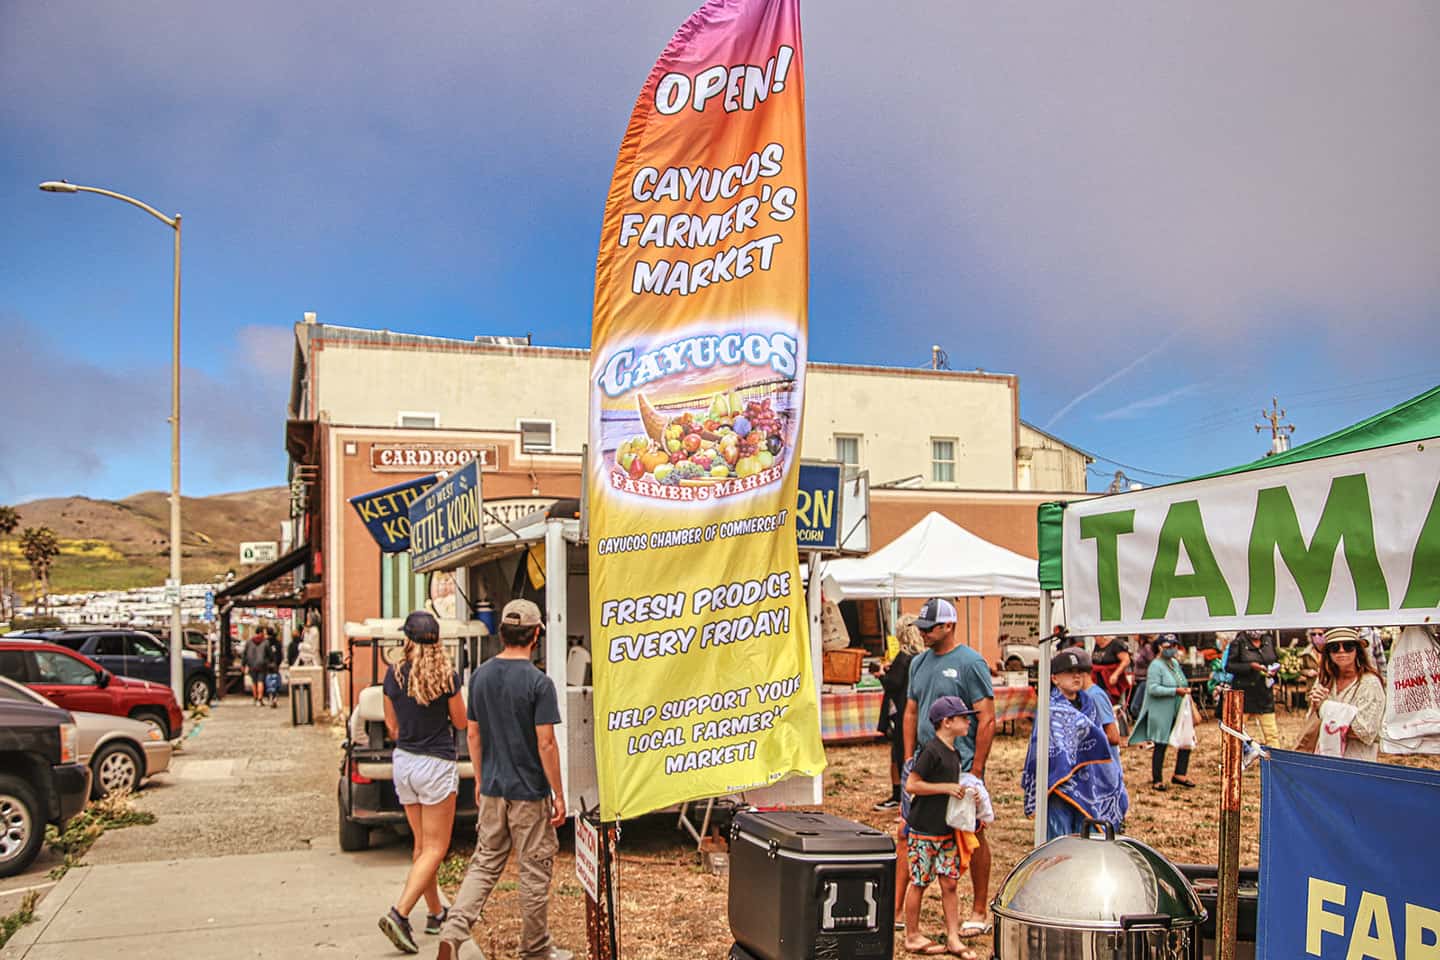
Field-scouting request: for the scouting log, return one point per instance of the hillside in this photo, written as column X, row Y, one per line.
column 117, row 544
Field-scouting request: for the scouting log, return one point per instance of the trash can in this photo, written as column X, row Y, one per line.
column 302, row 709
column 810, row 885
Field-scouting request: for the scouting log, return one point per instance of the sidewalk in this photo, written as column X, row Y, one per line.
column 242, row 861
column 320, row 903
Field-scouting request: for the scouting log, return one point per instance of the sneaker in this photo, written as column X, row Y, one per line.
column 889, row 803
column 433, row 921
column 397, row 929
column 559, row 953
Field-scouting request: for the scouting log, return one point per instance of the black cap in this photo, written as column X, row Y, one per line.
column 422, row 627
column 1075, row 658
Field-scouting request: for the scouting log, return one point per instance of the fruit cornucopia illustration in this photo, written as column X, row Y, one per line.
column 734, row 438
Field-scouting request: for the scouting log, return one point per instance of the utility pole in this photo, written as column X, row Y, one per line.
column 1279, row 432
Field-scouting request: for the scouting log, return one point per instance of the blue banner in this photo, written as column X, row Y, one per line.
column 447, row 520
column 817, row 507
column 386, row 513
column 1348, row 860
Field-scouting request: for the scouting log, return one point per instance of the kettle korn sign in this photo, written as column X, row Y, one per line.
column 697, row 365
column 447, row 520
column 1352, row 539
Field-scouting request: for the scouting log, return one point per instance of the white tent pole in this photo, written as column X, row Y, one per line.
column 1042, row 723
column 968, row 642
column 814, row 603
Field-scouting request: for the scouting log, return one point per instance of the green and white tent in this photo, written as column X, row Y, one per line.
column 1344, row 530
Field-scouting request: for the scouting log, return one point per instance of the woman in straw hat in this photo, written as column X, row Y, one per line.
column 1348, row 676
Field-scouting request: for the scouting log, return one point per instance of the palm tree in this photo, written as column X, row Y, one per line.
column 9, row 522
column 40, row 548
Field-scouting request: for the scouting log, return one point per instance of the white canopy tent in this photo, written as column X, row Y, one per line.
column 935, row 558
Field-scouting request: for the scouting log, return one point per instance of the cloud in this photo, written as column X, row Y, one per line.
column 1131, row 411
column 75, row 425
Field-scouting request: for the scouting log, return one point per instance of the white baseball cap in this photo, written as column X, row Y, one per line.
column 935, row 611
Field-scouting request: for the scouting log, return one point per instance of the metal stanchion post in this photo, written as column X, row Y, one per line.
column 1232, row 774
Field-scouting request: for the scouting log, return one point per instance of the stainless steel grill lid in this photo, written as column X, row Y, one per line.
column 1093, row 880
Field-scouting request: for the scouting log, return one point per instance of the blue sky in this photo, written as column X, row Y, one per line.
column 1157, row 217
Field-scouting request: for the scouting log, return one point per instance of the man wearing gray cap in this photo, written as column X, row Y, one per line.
column 948, row 668
column 511, row 732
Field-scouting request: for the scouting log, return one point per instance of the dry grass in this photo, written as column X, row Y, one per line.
column 670, row 907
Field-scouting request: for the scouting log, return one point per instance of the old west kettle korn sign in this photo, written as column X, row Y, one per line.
column 703, row 680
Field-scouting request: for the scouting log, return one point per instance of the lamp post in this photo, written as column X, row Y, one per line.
column 177, row 673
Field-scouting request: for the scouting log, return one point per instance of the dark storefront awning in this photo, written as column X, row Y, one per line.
column 238, row 591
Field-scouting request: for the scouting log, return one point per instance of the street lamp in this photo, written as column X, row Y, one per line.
column 177, row 673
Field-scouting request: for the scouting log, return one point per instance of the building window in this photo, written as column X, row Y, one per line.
column 401, row 591
column 536, row 436
column 847, row 449
column 412, row 418
column 942, row 459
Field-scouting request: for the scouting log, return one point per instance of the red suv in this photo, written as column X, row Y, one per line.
column 76, row 682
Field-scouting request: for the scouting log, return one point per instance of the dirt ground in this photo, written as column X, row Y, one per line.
column 672, row 907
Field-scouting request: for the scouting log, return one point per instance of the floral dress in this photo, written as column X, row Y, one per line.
column 1367, row 696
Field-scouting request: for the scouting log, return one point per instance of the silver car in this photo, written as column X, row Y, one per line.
column 121, row 752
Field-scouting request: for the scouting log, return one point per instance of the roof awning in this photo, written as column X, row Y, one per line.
column 265, row 574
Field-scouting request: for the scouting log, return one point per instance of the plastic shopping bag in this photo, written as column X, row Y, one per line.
column 1335, row 720
column 1412, row 701
column 960, row 812
column 1182, row 735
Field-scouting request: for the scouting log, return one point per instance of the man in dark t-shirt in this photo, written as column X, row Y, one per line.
column 511, row 732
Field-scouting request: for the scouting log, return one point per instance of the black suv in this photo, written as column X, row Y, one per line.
column 133, row 653
column 41, row 778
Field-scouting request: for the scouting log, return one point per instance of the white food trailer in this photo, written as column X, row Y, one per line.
column 546, row 554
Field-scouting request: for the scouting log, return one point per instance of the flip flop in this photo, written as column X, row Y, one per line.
column 975, row 928
column 1189, row 784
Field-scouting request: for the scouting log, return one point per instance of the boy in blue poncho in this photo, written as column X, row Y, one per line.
column 1085, row 781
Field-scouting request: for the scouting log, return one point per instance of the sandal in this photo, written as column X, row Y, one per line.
column 1185, row 782
column 1159, row 786
column 975, row 928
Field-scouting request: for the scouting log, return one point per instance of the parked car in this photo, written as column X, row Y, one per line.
column 133, row 653
column 41, row 778
column 120, row 752
column 75, row 682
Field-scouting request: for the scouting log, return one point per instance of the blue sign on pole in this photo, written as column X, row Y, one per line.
column 446, row 520
column 386, row 513
column 817, row 507
column 1348, row 854
column 209, row 614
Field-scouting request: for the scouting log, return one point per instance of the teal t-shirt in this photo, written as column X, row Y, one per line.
column 961, row 672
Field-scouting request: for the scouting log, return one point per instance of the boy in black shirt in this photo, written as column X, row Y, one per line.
column 933, row 845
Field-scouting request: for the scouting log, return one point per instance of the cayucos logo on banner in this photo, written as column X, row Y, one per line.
column 692, row 444
column 703, row 679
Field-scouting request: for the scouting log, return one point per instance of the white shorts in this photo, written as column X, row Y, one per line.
column 424, row 780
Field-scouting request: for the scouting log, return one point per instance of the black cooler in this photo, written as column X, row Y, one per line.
column 809, row 886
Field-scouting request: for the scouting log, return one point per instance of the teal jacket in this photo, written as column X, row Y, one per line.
column 1163, row 684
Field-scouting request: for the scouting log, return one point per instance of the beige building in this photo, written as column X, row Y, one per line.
column 370, row 408
column 929, row 429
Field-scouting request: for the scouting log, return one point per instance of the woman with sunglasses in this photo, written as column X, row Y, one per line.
column 1348, row 676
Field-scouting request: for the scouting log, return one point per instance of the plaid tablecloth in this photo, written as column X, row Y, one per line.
column 850, row 716
column 853, row 716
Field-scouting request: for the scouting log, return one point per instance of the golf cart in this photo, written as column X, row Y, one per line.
column 366, row 788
